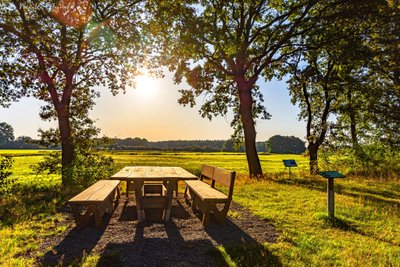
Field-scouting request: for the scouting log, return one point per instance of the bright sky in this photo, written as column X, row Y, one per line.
column 151, row 111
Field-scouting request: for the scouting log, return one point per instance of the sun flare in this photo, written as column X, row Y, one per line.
column 146, row 86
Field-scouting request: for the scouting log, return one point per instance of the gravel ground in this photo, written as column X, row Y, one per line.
column 181, row 242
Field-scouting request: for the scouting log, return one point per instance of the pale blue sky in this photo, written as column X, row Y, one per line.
column 151, row 111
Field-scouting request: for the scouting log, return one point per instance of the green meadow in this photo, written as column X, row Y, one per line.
column 365, row 233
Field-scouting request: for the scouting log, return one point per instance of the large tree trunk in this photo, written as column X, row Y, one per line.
column 246, row 104
column 67, row 152
column 313, row 154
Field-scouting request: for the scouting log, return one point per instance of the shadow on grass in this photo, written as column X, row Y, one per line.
column 25, row 202
column 239, row 247
column 247, row 255
column 338, row 223
column 346, row 225
column 362, row 193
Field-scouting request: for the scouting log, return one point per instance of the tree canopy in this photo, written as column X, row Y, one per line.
column 57, row 51
column 221, row 48
column 285, row 145
column 6, row 133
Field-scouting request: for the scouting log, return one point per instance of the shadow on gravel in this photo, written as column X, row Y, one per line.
column 172, row 250
column 77, row 244
column 182, row 241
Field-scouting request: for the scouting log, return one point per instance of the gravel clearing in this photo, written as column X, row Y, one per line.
column 181, row 242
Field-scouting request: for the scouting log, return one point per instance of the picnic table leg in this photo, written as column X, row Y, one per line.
column 138, row 194
column 127, row 188
column 170, row 192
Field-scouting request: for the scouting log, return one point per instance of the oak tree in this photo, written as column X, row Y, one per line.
column 221, row 48
column 58, row 51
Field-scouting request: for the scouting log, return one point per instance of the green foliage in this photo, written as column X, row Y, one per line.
column 285, row 145
column 6, row 133
column 6, row 183
column 86, row 169
column 63, row 59
column 221, row 48
column 372, row 160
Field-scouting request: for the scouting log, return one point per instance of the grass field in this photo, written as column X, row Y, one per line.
column 366, row 231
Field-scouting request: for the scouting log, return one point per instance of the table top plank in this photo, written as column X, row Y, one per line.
column 153, row 173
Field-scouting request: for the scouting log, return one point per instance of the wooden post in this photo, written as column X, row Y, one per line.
column 331, row 175
column 331, row 199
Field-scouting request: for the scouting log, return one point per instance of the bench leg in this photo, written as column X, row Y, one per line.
column 220, row 215
column 81, row 220
column 98, row 212
column 206, row 216
column 117, row 194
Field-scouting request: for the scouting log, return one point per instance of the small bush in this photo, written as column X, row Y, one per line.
column 6, row 183
column 367, row 161
column 86, row 169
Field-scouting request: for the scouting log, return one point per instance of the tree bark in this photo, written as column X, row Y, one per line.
column 246, row 104
column 67, row 151
column 352, row 117
column 313, row 151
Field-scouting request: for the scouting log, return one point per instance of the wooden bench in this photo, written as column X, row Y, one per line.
column 206, row 197
column 97, row 199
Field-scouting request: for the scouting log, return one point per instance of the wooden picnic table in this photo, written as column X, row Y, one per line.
column 138, row 175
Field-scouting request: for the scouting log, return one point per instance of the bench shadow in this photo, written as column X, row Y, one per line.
column 75, row 246
column 180, row 242
column 128, row 213
column 243, row 249
column 179, row 248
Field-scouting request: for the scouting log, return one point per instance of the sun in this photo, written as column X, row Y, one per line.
column 146, row 86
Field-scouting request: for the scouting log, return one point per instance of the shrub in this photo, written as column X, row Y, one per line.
column 373, row 160
column 86, row 169
column 6, row 183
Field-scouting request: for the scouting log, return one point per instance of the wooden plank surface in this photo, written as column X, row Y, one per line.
column 153, row 173
column 222, row 176
column 207, row 171
column 97, row 192
column 205, row 191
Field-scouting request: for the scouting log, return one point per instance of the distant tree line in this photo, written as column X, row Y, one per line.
column 179, row 145
column 276, row 144
column 7, row 139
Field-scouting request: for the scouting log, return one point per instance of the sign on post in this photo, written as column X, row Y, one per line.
column 289, row 163
column 331, row 175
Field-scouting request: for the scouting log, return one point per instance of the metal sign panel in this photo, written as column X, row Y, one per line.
column 289, row 163
column 331, row 174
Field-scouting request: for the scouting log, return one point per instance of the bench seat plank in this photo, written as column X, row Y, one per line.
column 97, row 199
column 206, row 197
column 96, row 193
column 205, row 192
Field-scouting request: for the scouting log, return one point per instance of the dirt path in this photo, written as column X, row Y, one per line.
column 181, row 242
